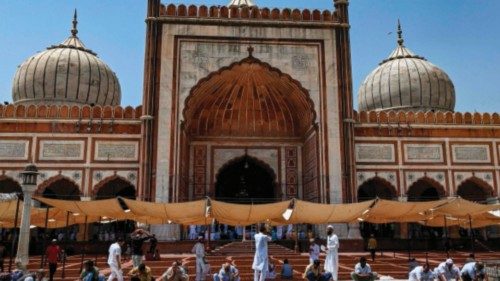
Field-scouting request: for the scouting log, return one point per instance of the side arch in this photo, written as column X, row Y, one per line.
column 475, row 189
column 376, row 187
column 9, row 185
column 114, row 186
column 425, row 189
column 59, row 187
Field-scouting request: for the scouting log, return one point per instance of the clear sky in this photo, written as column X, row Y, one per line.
column 462, row 37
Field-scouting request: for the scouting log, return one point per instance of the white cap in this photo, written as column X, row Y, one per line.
column 330, row 226
column 449, row 261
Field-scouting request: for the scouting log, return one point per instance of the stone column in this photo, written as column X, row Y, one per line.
column 23, row 244
column 29, row 176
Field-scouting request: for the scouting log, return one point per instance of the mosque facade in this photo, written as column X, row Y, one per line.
column 245, row 104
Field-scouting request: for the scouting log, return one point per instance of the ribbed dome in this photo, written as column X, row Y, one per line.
column 67, row 73
column 405, row 81
column 248, row 99
column 241, row 3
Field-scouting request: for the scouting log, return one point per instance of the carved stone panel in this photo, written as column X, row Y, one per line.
column 200, row 170
column 423, row 153
column 116, row 151
column 471, row 153
column 14, row 149
column 375, row 152
column 291, row 171
column 65, row 150
column 310, row 170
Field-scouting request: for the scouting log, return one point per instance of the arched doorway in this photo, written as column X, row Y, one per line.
column 474, row 189
column 60, row 188
column 377, row 188
column 8, row 185
column 246, row 180
column 115, row 187
column 425, row 189
column 112, row 187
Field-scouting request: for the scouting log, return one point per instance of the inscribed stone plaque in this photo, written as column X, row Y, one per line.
column 119, row 150
column 61, row 150
column 471, row 153
column 13, row 150
column 375, row 152
column 424, row 153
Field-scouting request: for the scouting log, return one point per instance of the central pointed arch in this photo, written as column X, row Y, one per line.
column 246, row 179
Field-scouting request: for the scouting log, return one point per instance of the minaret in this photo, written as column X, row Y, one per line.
column 240, row 3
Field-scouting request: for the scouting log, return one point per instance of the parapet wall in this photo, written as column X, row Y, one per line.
column 420, row 117
column 69, row 112
column 223, row 12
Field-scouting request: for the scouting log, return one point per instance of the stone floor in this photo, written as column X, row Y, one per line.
column 389, row 265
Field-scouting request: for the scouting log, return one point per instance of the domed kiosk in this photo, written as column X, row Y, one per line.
column 67, row 73
column 405, row 81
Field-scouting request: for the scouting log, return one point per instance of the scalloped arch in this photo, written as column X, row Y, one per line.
column 475, row 189
column 249, row 98
column 419, row 188
column 376, row 187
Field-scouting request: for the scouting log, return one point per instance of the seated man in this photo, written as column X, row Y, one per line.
column 90, row 272
column 474, row 271
column 228, row 272
column 313, row 273
column 447, row 271
column 363, row 271
column 422, row 273
column 286, row 270
column 175, row 273
column 141, row 273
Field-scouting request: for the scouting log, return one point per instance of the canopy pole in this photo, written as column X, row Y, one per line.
column 14, row 234
column 42, row 261
column 65, row 256
column 98, row 232
column 471, row 235
column 426, row 245
column 446, row 241
column 85, row 244
column 408, row 225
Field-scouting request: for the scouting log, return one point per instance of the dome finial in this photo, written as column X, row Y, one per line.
column 400, row 35
column 74, row 31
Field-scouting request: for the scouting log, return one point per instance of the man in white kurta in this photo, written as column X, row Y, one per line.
column 260, row 261
column 199, row 251
column 332, row 253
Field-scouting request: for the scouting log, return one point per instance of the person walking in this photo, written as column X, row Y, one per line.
column 332, row 253
column 137, row 240
column 53, row 253
column 314, row 251
column 199, row 251
column 372, row 246
column 260, row 261
column 114, row 260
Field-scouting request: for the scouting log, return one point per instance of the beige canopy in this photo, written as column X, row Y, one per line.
column 457, row 211
column 387, row 211
column 315, row 213
column 239, row 214
column 180, row 213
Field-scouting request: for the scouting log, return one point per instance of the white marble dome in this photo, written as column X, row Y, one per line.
column 406, row 81
column 67, row 73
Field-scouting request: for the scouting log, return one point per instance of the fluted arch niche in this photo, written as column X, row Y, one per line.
column 249, row 106
column 248, row 99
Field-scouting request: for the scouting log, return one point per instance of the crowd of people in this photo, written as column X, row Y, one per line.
column 264, row 270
